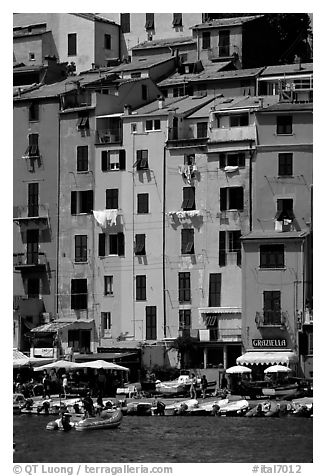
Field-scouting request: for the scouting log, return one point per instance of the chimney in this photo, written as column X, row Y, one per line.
column 261, row 102
column 161, row 102
column 127, row 109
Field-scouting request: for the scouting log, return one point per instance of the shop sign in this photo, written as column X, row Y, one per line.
column 266, row 343
column 43, row 352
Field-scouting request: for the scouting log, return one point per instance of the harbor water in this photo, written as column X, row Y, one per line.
column 179, row 439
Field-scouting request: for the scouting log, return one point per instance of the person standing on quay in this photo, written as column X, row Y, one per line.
column 204, row 385
column 193, row 383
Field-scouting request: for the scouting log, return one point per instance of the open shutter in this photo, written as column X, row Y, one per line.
column 122, row 159
column 241, row 159
column 105, row 160
column 121, row 244
column 238, row 198
column 222, row 160
column 222, row 250
column 73, row 203
column 101, row 244
column 188, row 198
column 89, row 201
column 177, row 19
column 223, row 195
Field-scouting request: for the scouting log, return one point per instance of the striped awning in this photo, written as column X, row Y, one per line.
column 250, row 358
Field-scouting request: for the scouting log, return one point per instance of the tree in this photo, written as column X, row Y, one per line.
column 186, row 347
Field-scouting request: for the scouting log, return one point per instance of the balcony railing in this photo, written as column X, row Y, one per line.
column 224, row 335
column 73, row 101
column 232, row 134
column 35, row 213
column 218, row 52
column 32, row 260
column 270, row 318
column 109, row 136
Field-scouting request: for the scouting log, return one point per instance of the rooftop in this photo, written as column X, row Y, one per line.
column 260, row 234
column 293, row 68
column 141, row 63
column 212, row 73
column 237, row 102
column 222, row 22
column 93, row 17
column 181, row 105
column 289, row 106
column 165, row 42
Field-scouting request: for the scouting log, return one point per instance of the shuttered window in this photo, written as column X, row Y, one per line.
column 142, row 203
column 125, row 22
column 187, row 241
column 80, row 248
column 140, row 244
column 177, row 19
column 79, row 294
column 214, row 297
column 188, row 202
column 101, row 244
column 112, row 198
column 72, row 44
column 222, row 249
column 151, row 332
column 149, row 25
column 141, row 288
column 184, row 287
column 82, row 158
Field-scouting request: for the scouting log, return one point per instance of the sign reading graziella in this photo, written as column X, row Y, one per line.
column 269, row 343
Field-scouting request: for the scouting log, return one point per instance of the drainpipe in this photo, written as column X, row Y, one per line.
column 56, row 298
column 163, row 244
column 250, row 187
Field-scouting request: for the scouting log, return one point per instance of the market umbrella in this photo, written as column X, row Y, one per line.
column 101, row 364
column 277, row 368
column 59, row 364
column 238, row 369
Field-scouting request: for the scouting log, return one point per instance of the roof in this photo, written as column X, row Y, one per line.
column 289, row 106
column 260, row 235
column 93, row 17
column 212, row 73
column 181, row 105
column 287, row 69
column 229, row 103
column 55, row 326
column 221, row 22
column 186, row 40
column 50, row 90
column 141, row 63
column 25, row 68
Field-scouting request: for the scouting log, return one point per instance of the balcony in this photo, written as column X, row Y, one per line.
column 232, row 134
column 76, row 100
column 30, row 261
column 220, row 335
column 185, row 137
column 35, row 213
column 271, row 318
column 109, row 136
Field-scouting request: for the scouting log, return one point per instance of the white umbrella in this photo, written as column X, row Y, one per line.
column 101, row 364
column 277, row 368
column 238, row 369
column 59, row 364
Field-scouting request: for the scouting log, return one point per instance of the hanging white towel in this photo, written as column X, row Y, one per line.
column 100, row 217
column 111, row 216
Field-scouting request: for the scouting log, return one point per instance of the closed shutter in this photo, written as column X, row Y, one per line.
column 122, row 159
column 101, row 244
column 121, row 244
column 222, row 250
column 188, row 198
column 223, row 199
column 105, row 160
column 222, row 160
column 89, row 199
column 242, row 159
column 214, row 299
column 73, row 203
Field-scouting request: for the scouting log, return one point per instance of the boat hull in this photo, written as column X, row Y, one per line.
column 100, row 423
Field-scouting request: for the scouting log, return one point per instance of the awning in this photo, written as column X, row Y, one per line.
column 250, row 358
column 104, row 356
column 57, row 325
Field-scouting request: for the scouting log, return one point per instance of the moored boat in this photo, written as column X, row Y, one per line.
column 235, row 408
column 104, row 421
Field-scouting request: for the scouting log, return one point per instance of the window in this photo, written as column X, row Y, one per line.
column 82, row 158
column 153, row 125
column 224, row 43
column 149, row 25
column 229, row 242
column 106, row 322
column 79, row 340
column 32, row 245
column 34, row 112
column 190, row 159
column 285, row 164
column 32, row 150
column 125, row 22
column 83, row 122
column 187, row 241
column 80, row 248
column 239, row 120
column 214, row 297
column 177, row 19
column 272, row 256
column 184, row 287
column 133, row 127
column 284, row 209
column 141, row 288
column 201, row 129
column 284, row 125
column 150, row 322
column 107, row 42
column 79, row 294
column 144, row 92
column 112, row 198
column 310, row 338
column 33, row 288
column 31, row 56
column 231, row 198
column 33, row 199
column 206, row 40
column 232, row 160
column 140, row 244
column 135, row 75
column 113, row 160
column 185, row 320
column 142, row 160
column 82, row 202
column 142, row 202
column 113, row 244
column 72, row 44
column 272, row 307
column 188, row 202
column 108, row 285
